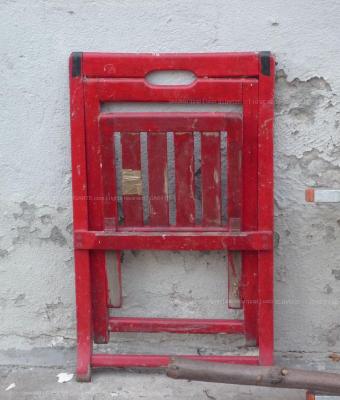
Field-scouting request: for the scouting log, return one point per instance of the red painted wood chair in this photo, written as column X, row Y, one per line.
column 114, row 209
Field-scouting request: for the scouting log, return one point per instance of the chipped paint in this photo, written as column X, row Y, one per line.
column 212, row 134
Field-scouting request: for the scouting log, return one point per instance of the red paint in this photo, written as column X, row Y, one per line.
column 202, row 90
column 121, row 65
column 211, row 178
column 101, row 240
column 309, row 195
column 234, row 212
column 80, row 218
column 158, row 179
column 110, row 203
column 184, row 177
column 159, row 361
column 170, row 121
column 225, row 77
column 250, row 268
column 266, row 213
column 95, row 204
column 132, row 203
column 175, row 325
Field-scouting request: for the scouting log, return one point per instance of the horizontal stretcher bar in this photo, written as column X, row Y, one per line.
column 102, row 240
column 170, row 121
column 155, row 361
column 175, row 325
column 191, row 229
column 201, row 90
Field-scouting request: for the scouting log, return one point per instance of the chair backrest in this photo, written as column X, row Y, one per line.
column 171, row 170
column 187, row 191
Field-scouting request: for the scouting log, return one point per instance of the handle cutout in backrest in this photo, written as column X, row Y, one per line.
column 170, row 78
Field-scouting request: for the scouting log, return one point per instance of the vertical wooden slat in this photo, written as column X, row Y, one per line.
column 224, row 178
column 131, row 162
column 109, row 181
column 158, row 179
column 184, row 173
column 249, row 209
column 266, row 205
column 211, row 178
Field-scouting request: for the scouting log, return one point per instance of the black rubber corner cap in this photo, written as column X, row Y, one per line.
column 265, row 62
column 76, row 63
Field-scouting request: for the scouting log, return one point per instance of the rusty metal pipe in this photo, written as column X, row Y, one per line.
column 277, row 377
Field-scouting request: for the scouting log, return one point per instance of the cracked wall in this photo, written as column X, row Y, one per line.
column 36, row 263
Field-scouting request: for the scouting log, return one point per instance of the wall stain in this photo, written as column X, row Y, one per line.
column 333, row 335
column 336, row 274
column 3, row 253
column 328, row 289
column 276, row 240
column 19, row 299
column 56, row 237
column 300, row 99
column 33, row 226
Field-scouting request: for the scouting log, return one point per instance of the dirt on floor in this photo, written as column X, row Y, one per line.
column 33, row 383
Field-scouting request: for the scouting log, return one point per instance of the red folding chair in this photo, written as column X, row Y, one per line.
column 111, row 215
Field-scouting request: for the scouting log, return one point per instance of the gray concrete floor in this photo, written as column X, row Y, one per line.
column 36, row 383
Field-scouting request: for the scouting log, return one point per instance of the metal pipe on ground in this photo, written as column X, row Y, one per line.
column 274, row 377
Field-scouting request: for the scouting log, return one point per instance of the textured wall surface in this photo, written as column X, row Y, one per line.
column 36, row 263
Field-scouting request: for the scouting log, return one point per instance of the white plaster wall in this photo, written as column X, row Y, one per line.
column 36, row 264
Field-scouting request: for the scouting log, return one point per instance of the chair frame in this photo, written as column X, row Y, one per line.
column 243, row 78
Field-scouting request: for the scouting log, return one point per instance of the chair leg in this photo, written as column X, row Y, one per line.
column 84, row 315
column 99, row 297
column 265, row 311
